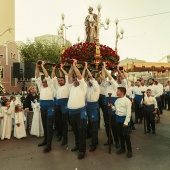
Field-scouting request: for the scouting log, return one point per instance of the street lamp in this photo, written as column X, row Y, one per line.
column 118, row 36
column 62, row 32
column 66, row 27
column 100, row 25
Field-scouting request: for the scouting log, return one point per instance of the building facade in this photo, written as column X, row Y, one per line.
column 7, row 20
column 8, row 55
column 165, row 59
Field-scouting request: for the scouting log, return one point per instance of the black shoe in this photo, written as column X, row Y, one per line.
column 57, row 134
column 81, row 155
column 129, row 154
column 64, row 142
column 153, row 132
column 120, row 151
column 148, row 131
column 75, row 148
column 133, row 128
column 42, row 144
column 117, row 145
column 107, row 143
column 47, row 149
column 59, row 138
column 88, row 136
column 92, row 148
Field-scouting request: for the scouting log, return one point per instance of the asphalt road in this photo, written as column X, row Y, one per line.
column 150, row 152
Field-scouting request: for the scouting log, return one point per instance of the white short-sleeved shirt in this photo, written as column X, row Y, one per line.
column 77, row 95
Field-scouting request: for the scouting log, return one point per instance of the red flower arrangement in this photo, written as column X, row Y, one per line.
column 86, row 52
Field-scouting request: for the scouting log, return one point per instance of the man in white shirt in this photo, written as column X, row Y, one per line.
column 62, row 94
column 159, row 100
column 46, row 90
column 129, row 90
column 136, row 99
column 110, row 87
column 143, row 85
column 92, row 98
column 101, row 98
column 77, row 109
column 122, row 107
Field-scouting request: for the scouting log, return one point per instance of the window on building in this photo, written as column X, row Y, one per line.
column 1, row 56
column 12, row 79
column 13, row 56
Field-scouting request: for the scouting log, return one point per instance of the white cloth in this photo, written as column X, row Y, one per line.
column 131, row 91
column 18, row 100
column 155, row 90
column 61, row 91
column 19, row 131
column 150, row 100
column 127, row 84
column 77, row 95
column 93, row 92
column 102, row 89
column 167, row 88
column 123, row 108
column 161, row 88
column 46, row 93
column 138, row 90
column 111, row 87
column 144, row 88
column 36, row 127
column 5, row 126
column 12, row 106
column 124, row 83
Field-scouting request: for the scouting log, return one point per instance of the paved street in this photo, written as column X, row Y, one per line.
column 150, row 152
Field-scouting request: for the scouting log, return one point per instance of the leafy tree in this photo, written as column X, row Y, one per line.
column 46, row 50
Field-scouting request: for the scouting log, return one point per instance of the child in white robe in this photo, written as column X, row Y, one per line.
column 5, row 119
column 12, row 106
column 36, row 127
column 19, row 129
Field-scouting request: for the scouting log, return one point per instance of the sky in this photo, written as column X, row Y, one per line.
column 145, row 38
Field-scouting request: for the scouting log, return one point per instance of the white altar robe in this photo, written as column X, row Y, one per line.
column 6, row 121
column 36, row 128
column 19, row 131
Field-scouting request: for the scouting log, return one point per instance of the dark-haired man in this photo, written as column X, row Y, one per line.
column 46, row 90
column 136, row 99
column 92, row 97
column 62, row 94
column 110, row 87
column 77, row 109
column 156, row 92
column 122, row 107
